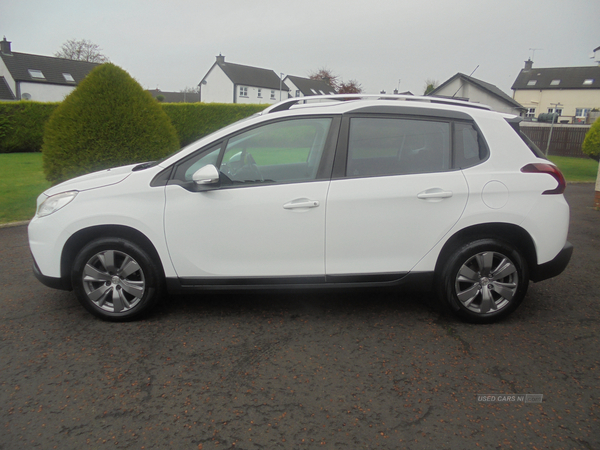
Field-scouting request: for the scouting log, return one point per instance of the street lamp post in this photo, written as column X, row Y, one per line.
column 556, row 105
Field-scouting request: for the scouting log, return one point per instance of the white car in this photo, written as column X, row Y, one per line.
column 331, row 191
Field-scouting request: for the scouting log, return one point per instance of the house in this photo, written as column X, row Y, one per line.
column 175, row 97
column 572, row 92
column 465, row 87
column 41, row 78
column 226, row 82
column 305, row 87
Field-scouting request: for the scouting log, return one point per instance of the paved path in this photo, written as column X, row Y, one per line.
column 334, row 371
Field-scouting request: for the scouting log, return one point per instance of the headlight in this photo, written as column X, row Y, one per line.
column 55, row 202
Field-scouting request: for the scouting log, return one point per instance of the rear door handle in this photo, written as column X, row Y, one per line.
column 301, row 203
column 434, row 194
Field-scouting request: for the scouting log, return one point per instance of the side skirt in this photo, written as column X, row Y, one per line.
column 418, row 281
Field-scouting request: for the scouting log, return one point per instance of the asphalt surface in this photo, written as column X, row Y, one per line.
column 303, row 370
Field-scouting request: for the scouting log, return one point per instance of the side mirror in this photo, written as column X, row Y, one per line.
column 207, row 175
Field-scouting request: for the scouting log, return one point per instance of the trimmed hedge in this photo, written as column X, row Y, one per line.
column 107, row 121
column 591, row 143
column 22, row 123
column 194, row 120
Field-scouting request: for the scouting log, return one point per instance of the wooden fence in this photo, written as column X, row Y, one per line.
column 566, row 141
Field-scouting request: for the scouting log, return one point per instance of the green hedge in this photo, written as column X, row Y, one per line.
column 22, row 123
column 194, row 120
column 108, row 121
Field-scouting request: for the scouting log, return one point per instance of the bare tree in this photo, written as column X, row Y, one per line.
column 325, row 75
column 81, row 50
column 350, row 87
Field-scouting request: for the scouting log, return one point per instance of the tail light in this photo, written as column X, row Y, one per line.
column 550, row 170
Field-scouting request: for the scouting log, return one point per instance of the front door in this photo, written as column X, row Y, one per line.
column 267, row 220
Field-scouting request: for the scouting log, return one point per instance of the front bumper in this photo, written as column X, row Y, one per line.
column 52, row 282
column 553, row 267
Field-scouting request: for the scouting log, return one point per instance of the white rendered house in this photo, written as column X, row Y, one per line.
column 235, row 83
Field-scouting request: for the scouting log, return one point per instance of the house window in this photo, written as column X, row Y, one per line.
column 260, row 93
column 297, row 93
column 531, row 82
column 588, row 82
column 555, row 110
column 36, row 74
column 68, row 77
column 530, row 112
column 554, row 82
column 243, row 91
column 582, row 112
column 272, row 95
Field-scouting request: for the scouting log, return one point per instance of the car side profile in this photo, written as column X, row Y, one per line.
column 327, row 191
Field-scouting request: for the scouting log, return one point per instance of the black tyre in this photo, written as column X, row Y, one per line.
column 116, row 279
column 484, row 280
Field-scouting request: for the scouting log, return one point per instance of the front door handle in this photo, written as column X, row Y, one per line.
column 301, row 203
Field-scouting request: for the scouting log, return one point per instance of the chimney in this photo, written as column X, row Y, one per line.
column 5, row 47
column 220, row 59
column 528, row 64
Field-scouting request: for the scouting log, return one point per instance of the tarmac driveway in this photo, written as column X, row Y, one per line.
column 266, row 371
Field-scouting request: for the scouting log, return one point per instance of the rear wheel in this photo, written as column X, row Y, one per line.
column 485, row 280
column 116, row 279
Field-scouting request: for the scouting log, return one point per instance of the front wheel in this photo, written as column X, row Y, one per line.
column 116, row 279
column 484, row 281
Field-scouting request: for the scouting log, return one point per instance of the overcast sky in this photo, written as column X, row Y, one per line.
column 383, row 44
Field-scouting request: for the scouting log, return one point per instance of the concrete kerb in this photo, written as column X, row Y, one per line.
column 14, row 224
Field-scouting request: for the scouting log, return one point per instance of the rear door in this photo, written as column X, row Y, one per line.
column 399, row 195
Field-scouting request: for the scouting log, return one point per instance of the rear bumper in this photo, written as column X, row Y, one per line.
column 553, row 267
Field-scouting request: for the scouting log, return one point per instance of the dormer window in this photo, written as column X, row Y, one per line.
column 588, row 82
column 554, row 82
column 531, row 82
column 37, row 74
column 68, row 77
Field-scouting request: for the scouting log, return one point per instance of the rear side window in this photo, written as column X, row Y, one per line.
column 381, row 146
column 469, row 148
column 532, row 146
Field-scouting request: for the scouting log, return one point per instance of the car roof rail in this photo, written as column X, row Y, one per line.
column 287, row 104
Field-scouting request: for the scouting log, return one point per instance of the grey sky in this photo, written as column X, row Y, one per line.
column 172, row 44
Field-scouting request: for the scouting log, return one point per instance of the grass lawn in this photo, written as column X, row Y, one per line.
column 22, row 180
column 576, row 169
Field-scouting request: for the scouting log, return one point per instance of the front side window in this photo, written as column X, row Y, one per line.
column 285, row 151
column 394, row 146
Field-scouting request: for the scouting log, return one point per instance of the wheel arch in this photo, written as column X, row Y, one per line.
column 509, row 233
column 79, row 239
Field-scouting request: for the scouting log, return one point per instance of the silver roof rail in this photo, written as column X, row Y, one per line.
column 287, row 104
